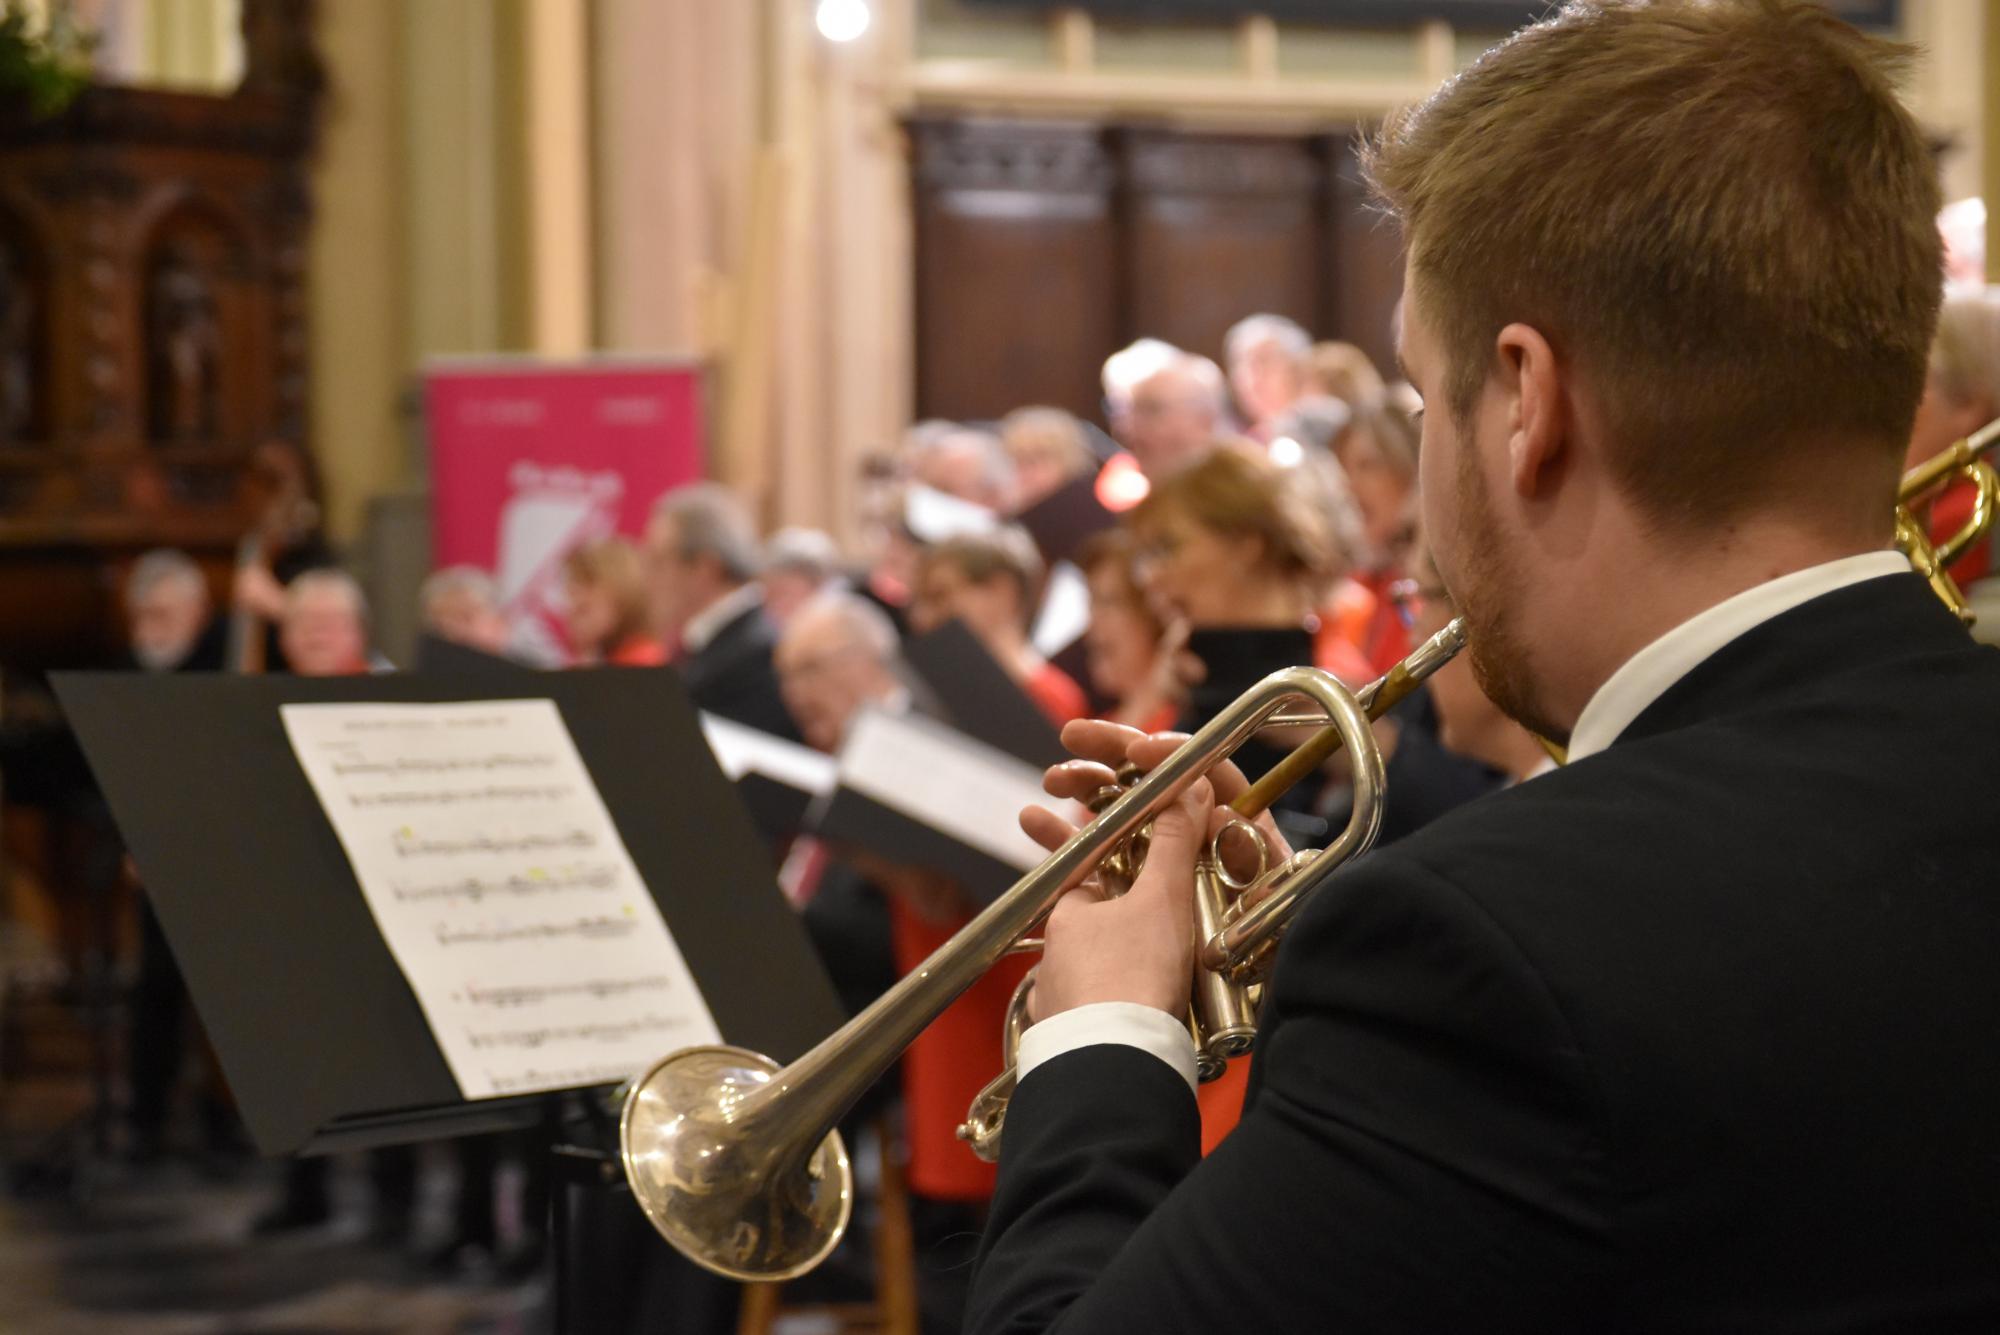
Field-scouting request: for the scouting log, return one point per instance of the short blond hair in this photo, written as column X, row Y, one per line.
column 1718, row 210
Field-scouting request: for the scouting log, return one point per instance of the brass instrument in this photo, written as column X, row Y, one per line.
column 1964, row 459
column 736, row 1161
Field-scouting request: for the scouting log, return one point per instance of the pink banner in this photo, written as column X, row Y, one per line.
column 530, row 459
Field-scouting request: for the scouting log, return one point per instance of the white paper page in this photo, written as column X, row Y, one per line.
column 503, row 890
column 741, row 750
column 1065, row 613
column 938, row 516
column 946, row 780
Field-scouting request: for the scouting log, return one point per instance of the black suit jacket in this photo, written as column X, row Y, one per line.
column 732, row 675
column 1701, row 1033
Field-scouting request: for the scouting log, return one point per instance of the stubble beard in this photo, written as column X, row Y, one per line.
column 1487, row 596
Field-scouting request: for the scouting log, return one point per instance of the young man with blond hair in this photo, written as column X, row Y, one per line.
column 1696, row 1033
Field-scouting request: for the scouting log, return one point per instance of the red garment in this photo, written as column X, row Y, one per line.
column 1222, row 1103
column 1948, row 515
column 638, row 651
column 1387, row 641
column 1056, row 695
column 950, row 1063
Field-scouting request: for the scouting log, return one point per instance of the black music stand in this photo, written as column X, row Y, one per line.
column 320, row 1035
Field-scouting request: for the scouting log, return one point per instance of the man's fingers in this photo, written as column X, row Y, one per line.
column 1179, row 834
column 1045, row 827
column 1076, row 779
column 1147, row 752
column 1100, row 740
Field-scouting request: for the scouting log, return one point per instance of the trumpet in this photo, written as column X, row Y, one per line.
column 736, row 1160
column 1965, row 459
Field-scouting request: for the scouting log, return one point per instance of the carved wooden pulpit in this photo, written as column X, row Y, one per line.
column 152, row 328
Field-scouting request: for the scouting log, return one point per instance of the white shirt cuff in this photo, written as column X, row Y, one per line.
column 1144, row 1027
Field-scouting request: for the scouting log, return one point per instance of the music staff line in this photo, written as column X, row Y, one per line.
column 409, row 844
column 552, row 792
column 607, row 1031
column 430, row 766
column 597, row 989
column 590, row 929
column 535, row 882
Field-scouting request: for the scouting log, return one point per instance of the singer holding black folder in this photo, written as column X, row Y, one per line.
column 1696, row 1033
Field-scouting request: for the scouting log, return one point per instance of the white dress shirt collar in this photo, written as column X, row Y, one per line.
column 1648, row 674
column 705, row 625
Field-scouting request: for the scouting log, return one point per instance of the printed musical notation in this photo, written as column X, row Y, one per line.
column 502, row 888
column 410, row 843
column 534, row 881
column 446, row 797
column 604, row 1031
column 450, row 935
column 597, row 988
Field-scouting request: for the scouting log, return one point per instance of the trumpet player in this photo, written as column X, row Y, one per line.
column 1696, row 1033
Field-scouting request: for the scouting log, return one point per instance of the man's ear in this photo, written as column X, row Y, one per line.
column 1538, row 416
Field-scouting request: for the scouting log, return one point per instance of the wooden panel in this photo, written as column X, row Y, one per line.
column 1016, row 287
column 1219, row 227
column 1365, row 279
column 1043, row 247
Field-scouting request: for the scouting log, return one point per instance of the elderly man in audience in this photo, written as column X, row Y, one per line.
column 323, row 629
column 702, row 556
column 964, row 462
column 988, row 581
column 873, row 920
column 1048, row 449
column 1268, row 357
column 323, row 632
column 172, row 629
column 461, row 604
column 1175, row 417
column 799, row 564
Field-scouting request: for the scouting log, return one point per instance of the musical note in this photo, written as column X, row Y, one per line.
column 595, row 988
column 484, row 851
column 448, row 935
column 535, row 881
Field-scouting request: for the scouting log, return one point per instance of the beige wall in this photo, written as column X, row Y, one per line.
column 713, row 180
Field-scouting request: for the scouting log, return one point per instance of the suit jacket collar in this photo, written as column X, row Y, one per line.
column 708, row 625
column 1862, row 625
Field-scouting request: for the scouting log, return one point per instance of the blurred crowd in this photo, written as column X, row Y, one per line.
column 1242, row 513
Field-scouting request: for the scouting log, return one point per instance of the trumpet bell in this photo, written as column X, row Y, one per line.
column 726, row 1199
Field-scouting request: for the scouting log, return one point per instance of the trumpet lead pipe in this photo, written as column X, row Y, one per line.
column 1377, row 698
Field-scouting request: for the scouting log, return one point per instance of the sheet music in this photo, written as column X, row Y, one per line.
column 502, row 889
column 1065, row 611
column 945, row 779
column 741, row 750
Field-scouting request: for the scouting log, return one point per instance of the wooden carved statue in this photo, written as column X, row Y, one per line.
column 186, row 350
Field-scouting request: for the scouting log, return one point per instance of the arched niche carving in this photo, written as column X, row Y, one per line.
column 196, row 321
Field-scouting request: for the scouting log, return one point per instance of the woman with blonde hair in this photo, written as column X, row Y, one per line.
column 609, row 620
column 1238, row 563
column 1378, row 452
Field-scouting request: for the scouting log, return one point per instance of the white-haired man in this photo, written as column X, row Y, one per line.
column 702, row 559
column 1268, row 356
column 1175, row 416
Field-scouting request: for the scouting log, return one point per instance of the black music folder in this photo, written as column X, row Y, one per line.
column 1068, row 517
column 975, row 695
column 914, row 790
column 320, row 1034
